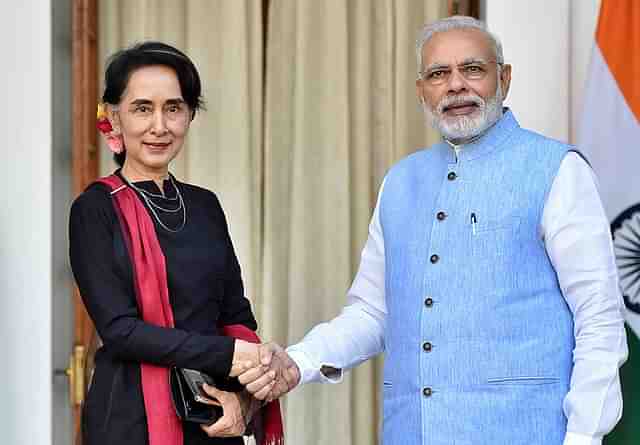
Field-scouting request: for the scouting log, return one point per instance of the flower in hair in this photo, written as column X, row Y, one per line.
column 113, row 138
column 103, row 123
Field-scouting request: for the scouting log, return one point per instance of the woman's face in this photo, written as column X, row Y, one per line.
column 153, row 119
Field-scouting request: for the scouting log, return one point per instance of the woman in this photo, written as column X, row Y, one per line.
column 152, row 93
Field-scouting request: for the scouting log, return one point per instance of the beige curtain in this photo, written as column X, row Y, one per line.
column 224, row 148
column 340, row 109
column 298, row 174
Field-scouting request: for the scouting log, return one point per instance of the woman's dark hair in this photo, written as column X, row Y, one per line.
column 123, row 63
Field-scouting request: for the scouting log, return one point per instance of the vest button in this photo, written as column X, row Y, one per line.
column 441, row 216
column 426, row 346
column 452, row 176
column 427, row 392
column 434, row 259
column 428, row 302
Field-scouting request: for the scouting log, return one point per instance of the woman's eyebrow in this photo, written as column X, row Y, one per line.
column 172, row 101
column 176, row 101
column 141, row 102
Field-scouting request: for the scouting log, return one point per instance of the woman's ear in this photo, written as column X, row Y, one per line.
column 114, row 118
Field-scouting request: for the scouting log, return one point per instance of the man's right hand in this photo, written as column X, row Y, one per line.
column 277, row 375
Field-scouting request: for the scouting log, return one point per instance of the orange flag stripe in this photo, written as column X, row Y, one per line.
column 618, row 37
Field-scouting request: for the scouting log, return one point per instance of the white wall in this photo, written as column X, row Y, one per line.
column 535, row 35
column 548, row 43
column 25, row 223
column 584, row 17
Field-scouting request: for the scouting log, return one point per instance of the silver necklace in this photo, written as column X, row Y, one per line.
column 156, row 195
column 162, row 209
column 152, row 206
column 158, row 206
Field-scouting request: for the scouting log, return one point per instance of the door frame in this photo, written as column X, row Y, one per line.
column 84, row 170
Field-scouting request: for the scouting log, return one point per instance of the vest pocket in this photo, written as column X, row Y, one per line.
column 522, row 380
column 485, row 226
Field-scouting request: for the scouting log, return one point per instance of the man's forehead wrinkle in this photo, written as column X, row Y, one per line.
column 473, row 59
column 441, row 44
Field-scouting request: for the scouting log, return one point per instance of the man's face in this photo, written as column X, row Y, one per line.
column 460, row 87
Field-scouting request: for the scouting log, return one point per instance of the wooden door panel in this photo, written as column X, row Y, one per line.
column 85, row 160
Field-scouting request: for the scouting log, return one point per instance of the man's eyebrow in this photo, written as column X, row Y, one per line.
column 437, row 66
column 443, row 66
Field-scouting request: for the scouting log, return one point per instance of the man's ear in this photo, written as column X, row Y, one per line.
column 419, row 90
column 505, row 79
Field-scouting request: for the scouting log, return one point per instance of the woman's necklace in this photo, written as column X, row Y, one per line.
column 147, row 198
column 156, row 195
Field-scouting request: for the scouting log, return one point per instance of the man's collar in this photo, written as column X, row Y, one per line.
column 486, row 142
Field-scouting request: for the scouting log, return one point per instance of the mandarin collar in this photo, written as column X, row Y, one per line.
column 495, row 137
column 150, row 185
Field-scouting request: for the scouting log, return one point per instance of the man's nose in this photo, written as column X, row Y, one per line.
column 456, row 82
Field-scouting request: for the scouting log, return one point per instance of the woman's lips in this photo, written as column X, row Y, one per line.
column 159, row 146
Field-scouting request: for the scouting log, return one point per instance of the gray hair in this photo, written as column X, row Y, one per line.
column 456, row 22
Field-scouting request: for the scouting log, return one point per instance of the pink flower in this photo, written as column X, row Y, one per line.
column 104, row 126
column 113, row 139
column 114, row 142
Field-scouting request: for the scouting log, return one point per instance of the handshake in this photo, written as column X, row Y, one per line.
column 265, row 370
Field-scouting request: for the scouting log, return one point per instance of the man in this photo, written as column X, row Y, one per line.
column 488, row 277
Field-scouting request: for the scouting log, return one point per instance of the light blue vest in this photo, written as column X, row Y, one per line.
column 479, row 339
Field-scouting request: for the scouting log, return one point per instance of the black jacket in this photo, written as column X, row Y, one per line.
column 205, row 290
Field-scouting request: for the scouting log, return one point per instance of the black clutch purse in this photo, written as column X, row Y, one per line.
column 188, row 396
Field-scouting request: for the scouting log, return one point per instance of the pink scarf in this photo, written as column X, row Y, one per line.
column 152, row 293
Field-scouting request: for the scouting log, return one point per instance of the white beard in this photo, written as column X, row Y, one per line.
column 462, row 128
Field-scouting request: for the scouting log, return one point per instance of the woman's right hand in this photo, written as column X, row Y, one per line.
column 245, row 356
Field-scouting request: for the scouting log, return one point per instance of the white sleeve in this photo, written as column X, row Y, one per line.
column 578, row 241
column 357, row 334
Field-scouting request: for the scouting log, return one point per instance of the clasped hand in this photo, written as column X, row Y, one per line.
column 266, row 370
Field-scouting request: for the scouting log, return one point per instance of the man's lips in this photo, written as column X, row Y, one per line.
column 460, row 108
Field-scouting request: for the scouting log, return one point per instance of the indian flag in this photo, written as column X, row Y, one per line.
column 610, row 138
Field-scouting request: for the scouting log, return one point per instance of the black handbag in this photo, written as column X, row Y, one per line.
column 188, row 396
